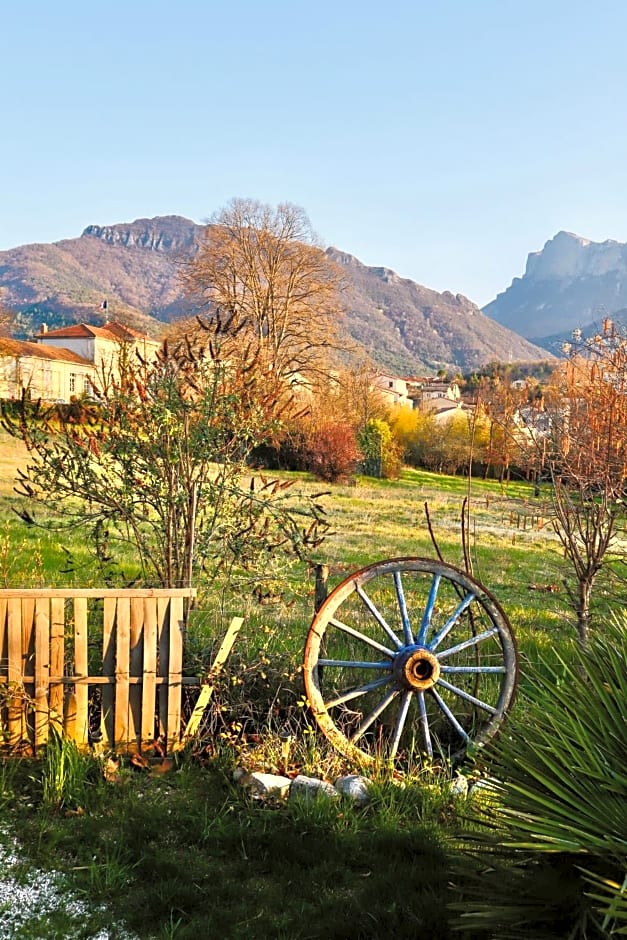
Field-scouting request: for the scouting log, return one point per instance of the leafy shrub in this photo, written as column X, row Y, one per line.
column 381, row 453
column 334, row 453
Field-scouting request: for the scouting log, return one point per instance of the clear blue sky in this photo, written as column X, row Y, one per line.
column 442, row 139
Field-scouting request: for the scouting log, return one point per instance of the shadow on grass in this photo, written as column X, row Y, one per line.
column 200, row 860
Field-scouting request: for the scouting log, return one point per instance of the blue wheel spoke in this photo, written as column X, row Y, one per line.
column 354, row 664
column 466, row 696
column 378, row 616
column 428, row 612
column 402, row 606
column 355, row 693
column 424, row 723
column 478, row 670
column 473, row 641
column 452, row 620
column 449, row 714
column 362, row 636
column 400, row 722
column 374, row 714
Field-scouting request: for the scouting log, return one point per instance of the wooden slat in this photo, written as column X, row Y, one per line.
column 122, row 658
column 135, row 668
column 97, row 592
column 69, row 715
column 81, row 668
column 163, row 618
column 3, row 635
column 175, row 671
column 207, row 690
column 42, row 668
column 57, row 652
column 14, row 671
column 108, row 669
column 28, row 665
column 142, row 662
column 149, row 685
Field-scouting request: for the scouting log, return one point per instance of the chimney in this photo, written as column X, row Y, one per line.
column 44, row 328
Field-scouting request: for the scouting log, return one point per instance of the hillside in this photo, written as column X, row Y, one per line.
column 571, row 283
column 405, row 327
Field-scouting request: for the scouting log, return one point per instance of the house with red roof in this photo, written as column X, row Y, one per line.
column 70, row 362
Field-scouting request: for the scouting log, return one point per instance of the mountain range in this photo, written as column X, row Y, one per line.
column 405, row 327
column 572, row 283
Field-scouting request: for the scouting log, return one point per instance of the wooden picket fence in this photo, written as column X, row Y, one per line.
column 95, row 664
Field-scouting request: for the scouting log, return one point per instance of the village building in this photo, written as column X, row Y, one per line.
column 396, row 390
column 71, row 362
column 425, row 393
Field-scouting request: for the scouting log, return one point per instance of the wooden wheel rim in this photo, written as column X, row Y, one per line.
column 419, row 662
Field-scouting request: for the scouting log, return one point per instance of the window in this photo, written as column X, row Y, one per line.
column 86, row 385
column 72, row 382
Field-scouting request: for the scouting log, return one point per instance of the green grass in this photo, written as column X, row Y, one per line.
column 187, row 854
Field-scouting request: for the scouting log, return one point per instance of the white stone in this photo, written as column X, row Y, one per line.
column 266, row 785
column 311, row 788
column 355, row 787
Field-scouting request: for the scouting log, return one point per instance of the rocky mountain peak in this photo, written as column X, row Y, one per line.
column 169, row 234
column 570, row 255
column 572, row 283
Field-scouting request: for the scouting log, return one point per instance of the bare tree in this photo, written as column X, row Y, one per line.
column 262, row 268
column 587, row 459
column 7, row 319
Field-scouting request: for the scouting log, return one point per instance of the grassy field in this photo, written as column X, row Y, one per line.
column 187, row 853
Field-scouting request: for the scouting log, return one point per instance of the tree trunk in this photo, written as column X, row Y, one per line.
column 583, row 612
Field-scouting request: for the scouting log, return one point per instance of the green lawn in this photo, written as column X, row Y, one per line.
column 187, row 854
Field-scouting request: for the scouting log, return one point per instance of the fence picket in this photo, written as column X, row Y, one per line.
column 175, row 670
column 42, row 669
column 107, row 696
column 57, row 653
column 122, row 664
column 15, row 697
column 149, row 684
column 45, row 662
column 28, row 659
column 81, row 671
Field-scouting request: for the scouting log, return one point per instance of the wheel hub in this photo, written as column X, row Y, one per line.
column 416, row 668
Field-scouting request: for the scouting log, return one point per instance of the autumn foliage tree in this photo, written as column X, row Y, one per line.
column 262, row 268
column 334, row 453
column 585, row 451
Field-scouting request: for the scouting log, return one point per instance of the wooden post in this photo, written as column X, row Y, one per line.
column 321, row 590
column 122, row 661
column 175, row 671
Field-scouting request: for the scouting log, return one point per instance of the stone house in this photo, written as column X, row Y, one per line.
column 395, row 390
column 425, row 393
column 69, row 362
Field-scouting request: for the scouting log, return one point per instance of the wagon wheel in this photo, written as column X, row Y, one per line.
column 409, row 657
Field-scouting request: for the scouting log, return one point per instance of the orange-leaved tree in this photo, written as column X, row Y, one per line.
column 586, row 456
